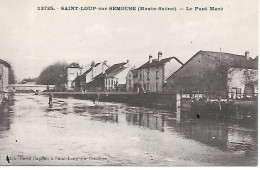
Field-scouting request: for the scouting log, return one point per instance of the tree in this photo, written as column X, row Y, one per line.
column 54, row 74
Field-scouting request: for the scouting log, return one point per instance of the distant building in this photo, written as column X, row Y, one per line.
column 153, row 74
column 132, row 80
column 216, row 71
column 4, row 75
column 115, row 76
column 88, row 76
column 100, row 77
column 73, row 70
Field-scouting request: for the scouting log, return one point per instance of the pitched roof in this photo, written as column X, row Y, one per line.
column 156, row 63
column 6, row 64
column 115, row 72
column 101, row 75
column 112, row 71
column 74, row 65
column 231, row 60
column 114, row 67
column 76, row 79
column 87, row 71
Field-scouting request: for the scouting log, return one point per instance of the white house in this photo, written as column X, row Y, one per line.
column 115, row 76
column 73, row 70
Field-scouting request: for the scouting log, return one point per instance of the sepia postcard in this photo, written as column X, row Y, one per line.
column 129, row 82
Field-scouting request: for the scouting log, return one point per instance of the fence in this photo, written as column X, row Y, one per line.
column 216, row 95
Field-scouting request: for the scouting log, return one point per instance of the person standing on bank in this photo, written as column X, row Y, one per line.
column 50, row 99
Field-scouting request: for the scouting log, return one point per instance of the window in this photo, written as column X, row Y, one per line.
column 239, row 90
column 129, row 82
column 157, row 86
column 148, row 86
column 148, row 75
column 144, row 86
column 140, row 76
column 112, row 82
column 109, row 82
column 157, row 74
column 106, row 82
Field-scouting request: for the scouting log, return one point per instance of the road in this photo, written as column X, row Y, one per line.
column 78, row 132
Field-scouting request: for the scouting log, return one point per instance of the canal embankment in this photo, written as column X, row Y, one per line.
column 161, row 100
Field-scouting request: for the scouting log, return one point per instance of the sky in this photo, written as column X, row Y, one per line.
column 32, row 39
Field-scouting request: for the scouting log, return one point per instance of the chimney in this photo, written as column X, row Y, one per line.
column 92, row 63
column 103, row 66
column 150, row 58
column 159, row 55
column 247, row 54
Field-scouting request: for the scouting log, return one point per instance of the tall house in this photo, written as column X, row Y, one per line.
column 4, row 75
column 73, row 70
column 153, row 74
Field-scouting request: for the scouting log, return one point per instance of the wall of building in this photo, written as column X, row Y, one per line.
column 72, row 73
column 199, row 73
column 4, row 73
column 170, row 67
column 157, row 76
column 120, row 79
column 188, row 77
column 149, row 83
column 110, row 83
column 101, row 68
column 129, row 81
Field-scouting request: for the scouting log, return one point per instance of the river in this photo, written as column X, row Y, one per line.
column 78, row 132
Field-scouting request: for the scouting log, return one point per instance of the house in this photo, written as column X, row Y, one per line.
column 4, row 75
column 132, row 80
column 73, row 70
column 100, row 77
column 88, row 76
column 215, row 71
column 115, row 76
column 242, row 79
column 153, row 74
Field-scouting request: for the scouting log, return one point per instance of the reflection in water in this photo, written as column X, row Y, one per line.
column 4, row 118
column 154, row 122
column 209, row 132
column 5, row 114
